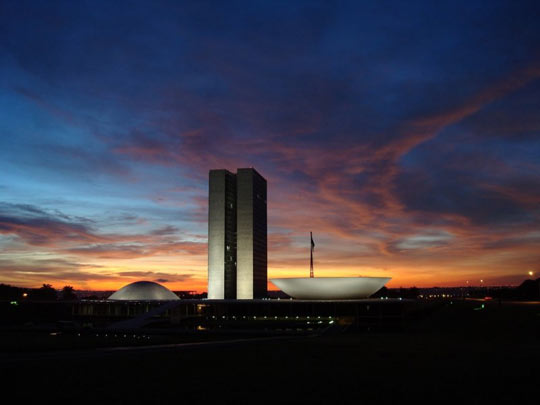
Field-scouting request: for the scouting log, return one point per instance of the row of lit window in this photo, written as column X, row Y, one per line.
column 265, row 317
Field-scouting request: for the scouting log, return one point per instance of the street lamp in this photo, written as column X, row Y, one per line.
column 486, row 288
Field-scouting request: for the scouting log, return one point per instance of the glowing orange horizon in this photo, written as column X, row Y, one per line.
column 400, row 278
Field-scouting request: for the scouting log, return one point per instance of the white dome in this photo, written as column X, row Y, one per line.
column 144, row 291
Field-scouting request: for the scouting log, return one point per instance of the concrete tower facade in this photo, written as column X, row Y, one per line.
column 251, row 231
column 237, row 229
column 222, row 235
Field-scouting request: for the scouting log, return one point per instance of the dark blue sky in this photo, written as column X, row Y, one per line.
column 405, row 135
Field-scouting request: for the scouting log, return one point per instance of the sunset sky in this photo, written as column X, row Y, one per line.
column 405, row 135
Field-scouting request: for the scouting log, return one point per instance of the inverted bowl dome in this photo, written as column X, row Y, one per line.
column 144, row 291
column 330, row 288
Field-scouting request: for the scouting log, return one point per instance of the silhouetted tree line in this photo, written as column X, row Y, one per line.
column 10, row 293
column 45, row 293
column 68, row 294
column 529, row 289
column 397, row 292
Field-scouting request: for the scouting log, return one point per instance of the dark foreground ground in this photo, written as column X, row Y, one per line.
column 460, row 354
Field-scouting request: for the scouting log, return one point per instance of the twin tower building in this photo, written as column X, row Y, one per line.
column 237, row 228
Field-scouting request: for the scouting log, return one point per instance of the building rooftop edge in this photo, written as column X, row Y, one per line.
column 237, row 170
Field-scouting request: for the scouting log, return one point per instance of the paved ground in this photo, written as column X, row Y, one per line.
column 462, row 354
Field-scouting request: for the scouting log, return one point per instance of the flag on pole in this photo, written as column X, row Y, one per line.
column 311, row 275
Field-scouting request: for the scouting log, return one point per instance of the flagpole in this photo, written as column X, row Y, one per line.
column 311, row 258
